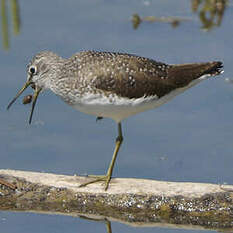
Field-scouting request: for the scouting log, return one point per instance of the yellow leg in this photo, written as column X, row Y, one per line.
column 108, row 176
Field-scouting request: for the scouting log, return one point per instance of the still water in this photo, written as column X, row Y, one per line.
column 188, row 139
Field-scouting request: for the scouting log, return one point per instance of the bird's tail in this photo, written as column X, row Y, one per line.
column 214, row 68
column 192, row 71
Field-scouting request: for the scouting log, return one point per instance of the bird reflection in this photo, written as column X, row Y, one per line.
column 104, row 220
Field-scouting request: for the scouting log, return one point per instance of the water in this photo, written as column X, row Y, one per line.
column 28, row 222
column 187, row 139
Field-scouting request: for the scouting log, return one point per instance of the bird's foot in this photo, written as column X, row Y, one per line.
column 98, row 178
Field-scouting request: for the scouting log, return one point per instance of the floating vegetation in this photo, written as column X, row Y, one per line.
column 174, row 21
column 4, row 21
column 210, row 12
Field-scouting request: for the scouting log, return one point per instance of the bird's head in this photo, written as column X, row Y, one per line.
column 40, row 72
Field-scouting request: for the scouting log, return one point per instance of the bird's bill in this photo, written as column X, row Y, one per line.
column 19, row 93
column 35, row 96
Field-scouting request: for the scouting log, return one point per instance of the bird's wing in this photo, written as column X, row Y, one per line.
column 131, row 76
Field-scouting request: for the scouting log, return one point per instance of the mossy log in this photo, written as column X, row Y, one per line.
column 138, row 201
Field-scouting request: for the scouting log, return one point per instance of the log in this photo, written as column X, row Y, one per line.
column 133, row 201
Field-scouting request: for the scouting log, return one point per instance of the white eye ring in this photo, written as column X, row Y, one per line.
column 32, row 70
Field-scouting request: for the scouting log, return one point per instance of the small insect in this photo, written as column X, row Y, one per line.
column 27, row 99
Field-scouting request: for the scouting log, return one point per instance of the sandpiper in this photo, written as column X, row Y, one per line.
column 112, row 85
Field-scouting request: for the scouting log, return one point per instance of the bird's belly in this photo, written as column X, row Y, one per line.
column 117, row 108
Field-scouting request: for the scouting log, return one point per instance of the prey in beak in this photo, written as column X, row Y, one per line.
column 35, row 96
column 38, row 77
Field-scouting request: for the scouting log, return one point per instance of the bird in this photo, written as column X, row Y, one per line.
column 112, row 85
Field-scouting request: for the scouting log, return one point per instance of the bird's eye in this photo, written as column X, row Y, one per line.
column 32, row 69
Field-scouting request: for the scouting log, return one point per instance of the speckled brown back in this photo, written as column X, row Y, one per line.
column 133, row 77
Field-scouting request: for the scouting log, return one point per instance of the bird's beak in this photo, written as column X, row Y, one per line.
column 36, row 93
column 19, row 93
